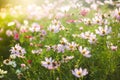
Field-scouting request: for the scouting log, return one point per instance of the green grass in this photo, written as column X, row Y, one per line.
column 104, row 64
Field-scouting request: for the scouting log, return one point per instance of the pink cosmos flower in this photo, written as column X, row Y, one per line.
column 114, row 48
column 84, row 12
column 23, row 65
column 117, row 14
column 16, row 36
column 70, row 21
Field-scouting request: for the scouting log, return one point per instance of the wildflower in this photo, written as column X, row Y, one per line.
column 103, row 31
column 92, row 39
column 35, row 27
column 54, row 28
column 60, row 48
column 49, row 63
column 86, row 35
column 87, row 21
column 11, row 23
column 2, row 73
column 117, row 14
column 48, row 47
column 70, row 21
column 63, row 41
column 71, row 46
column 84, row 11
column 23, row 65
column 94, row 6
column 75, row 35
column 13, row 64
column 37, row 51
column 19, row 73
column 81, row 28
column 113, row 48
column 12, row 56
column 18, row 50
column 23, row 29
column 79, row 72
column 67, row 58
column 9, row 33
column 84, row 51
column 99, row 19
column 43, row 32
column 7, row 61
column 16, row 36
column 65, row 8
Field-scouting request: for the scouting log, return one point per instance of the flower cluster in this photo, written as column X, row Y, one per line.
column 56, row 26
column 18, row 50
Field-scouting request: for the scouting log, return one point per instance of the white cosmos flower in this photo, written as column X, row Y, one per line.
column 35, row 28
column 60, row 48
column 38, row 51
column 54, row 28
column 102, row 31
column 9, row 33
column 92, row 39
column 71, row 46
column 13, row 64
column 2, row 73
column 94, row 6
column 65, row 8
column 64, row 41
column 84, row 51
column 86, row 35
column 7, row 61
column 79, row 72
column 87, row 21
column 49, row 63
column 99, row 19
column 12, row 56
column 67, row 58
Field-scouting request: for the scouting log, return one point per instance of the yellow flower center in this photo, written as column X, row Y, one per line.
column 103, row 32
column 79, row 73
column 83, row 51
column 48, row 63
column 71, row 46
